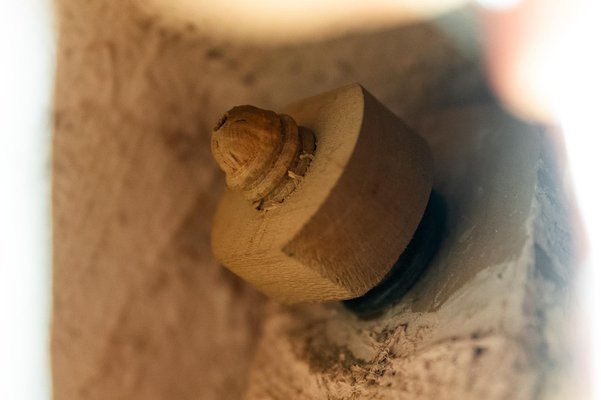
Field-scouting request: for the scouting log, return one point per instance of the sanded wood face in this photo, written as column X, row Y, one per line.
column 341, row 230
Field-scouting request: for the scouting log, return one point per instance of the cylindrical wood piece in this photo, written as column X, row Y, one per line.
column 349, row 218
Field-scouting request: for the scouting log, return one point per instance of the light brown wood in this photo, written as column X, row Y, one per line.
column 264, row 155
column 351, row 216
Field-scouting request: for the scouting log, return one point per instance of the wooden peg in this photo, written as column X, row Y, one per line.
column 264, row 155
column 321, row 199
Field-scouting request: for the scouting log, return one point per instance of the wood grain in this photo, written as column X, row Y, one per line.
column 356, row 209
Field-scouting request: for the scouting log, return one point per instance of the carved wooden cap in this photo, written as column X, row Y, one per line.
column 263, row 154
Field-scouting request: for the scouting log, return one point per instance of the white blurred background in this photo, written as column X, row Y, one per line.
column 26, row 72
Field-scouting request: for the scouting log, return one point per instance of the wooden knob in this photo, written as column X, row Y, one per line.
column 263, row 154
column 351, row 184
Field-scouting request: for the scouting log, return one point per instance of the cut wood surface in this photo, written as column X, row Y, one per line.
column 143, row 311
column 354, row 212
